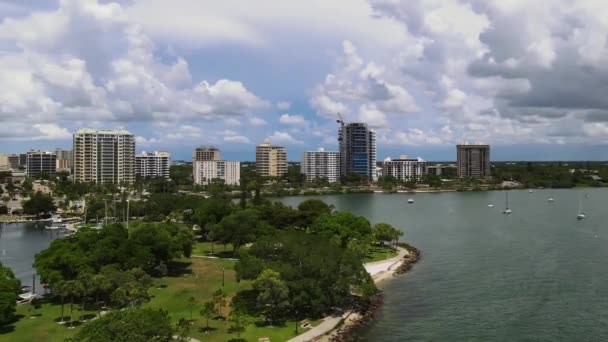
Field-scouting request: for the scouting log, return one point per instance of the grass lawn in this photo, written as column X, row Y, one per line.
column 204, row 248
column 44, row 327
column 174, row 293
column 378, row 253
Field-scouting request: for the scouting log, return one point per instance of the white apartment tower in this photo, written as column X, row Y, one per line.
column 153, row 164
column 207, row 170
column 321, row 164
column 104, row 156
column 270, row 161
column 404, row 169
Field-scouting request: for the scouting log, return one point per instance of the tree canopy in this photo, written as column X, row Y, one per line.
column 9, row 288
column 131, row 325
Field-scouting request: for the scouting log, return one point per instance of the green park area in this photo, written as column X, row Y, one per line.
column 271, row 270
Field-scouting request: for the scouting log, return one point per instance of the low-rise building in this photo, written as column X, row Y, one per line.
column 41, row 163
column 207, row 170
column 404, row 169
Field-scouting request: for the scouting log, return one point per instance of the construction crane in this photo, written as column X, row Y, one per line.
column 340, row 119
column 341, row 122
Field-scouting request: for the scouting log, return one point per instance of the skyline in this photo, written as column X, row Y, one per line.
column 424, row 75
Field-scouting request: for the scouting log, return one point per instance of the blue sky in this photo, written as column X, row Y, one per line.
column 529, row 78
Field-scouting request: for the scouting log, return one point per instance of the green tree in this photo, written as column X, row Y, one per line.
column 130, row 325
column 273, row 294
column 240, row 227
column 384, row 232
column 39, row 204
column 191, row 305
column 73, row 288
column 219, row 301
column 9, row 288
column 208, row 311
column 238, row 318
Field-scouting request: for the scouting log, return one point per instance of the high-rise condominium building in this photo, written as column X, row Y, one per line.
column 64, row 159
column 473, row 161
column 270, row 161
column 104, row 156
column 204, row 153
column 40, row 162
column 321, row 164
column 153, row 164
column 357, row 150
column 207, row 170
column 404, row 169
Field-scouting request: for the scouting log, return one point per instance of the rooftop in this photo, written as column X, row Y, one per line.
column 103, row 131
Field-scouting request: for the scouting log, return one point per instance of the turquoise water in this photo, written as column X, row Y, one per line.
column 535, row 275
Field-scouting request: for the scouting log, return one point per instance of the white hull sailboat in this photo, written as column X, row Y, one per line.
column 581, row 214
column 507, row 209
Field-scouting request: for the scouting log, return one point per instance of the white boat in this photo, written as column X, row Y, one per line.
column 507, row 209
column 490, row 205
column 581, row 214
column 410, row 201
column 550, row 199
column 530, row 191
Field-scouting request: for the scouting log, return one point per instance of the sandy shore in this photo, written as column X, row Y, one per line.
column 379, row 270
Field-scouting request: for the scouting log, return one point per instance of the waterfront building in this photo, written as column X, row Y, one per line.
column 357, row 150
column 104, row 156
column 321, row 164
column 473, row 160
column 270, row 161
column 439, row 169
column 64, row 159
column 41, row 163
column 154, row 164
column 207, row 170
column 405, row 169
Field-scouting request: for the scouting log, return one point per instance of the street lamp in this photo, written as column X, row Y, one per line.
column 128, row 231
column 223, row 269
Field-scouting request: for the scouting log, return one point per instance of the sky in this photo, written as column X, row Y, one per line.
column 528, row 77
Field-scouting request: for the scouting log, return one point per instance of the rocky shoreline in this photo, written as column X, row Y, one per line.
column 368, row 311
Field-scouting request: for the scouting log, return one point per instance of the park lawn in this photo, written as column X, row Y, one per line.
column 204, row 248
column 44, row 327
column 174, row 293
column 378, row 253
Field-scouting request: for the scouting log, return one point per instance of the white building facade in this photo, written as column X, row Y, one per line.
column 321, row 164
column 208, row 170
column 104, row 156
column 153, row 165
column 405, row 169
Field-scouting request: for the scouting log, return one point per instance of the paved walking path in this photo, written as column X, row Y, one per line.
column 378, row 270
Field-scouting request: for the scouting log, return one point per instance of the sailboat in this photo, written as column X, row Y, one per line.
column 551, row 199
column 507, row 209
column 581, row 214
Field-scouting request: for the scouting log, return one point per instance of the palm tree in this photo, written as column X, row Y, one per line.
column 60, row 289
column 101, row 284
column 86, row 279
column 73, row 288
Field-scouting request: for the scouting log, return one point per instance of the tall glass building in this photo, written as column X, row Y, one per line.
column 357, row 150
